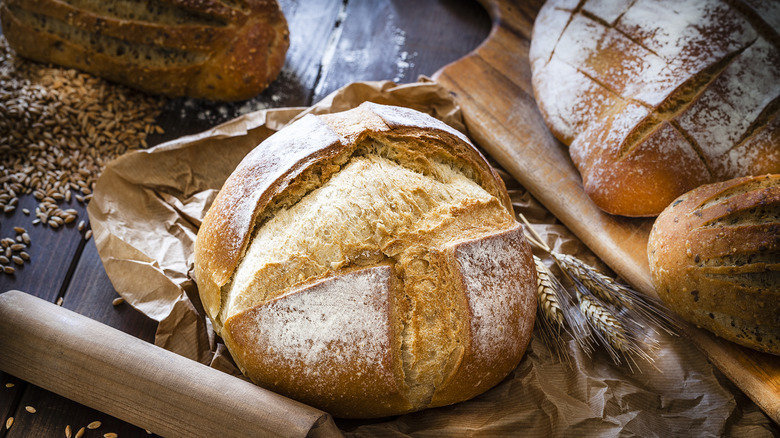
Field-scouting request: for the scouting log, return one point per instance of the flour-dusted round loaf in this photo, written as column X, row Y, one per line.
column 656, row 97
column 368, row 263
column 209, row 49
column 714, row 254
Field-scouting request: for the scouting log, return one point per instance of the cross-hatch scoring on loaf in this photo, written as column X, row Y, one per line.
column 375, row 211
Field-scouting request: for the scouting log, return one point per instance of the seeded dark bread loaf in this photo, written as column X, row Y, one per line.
column 715, row 259
column 210, row 49
column 656, row 97
column 368, row 263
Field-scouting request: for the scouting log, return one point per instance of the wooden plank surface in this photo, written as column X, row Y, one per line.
column 494, row 89
column 396, row 39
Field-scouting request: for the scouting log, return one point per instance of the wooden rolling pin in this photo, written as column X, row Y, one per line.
column 145, row 385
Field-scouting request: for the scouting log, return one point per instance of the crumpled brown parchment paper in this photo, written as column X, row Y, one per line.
column 145, row 215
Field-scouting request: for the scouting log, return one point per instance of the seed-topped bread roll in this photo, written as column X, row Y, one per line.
column 656, row 97
column 715, row 259
column 368, row 263
column 210, row 49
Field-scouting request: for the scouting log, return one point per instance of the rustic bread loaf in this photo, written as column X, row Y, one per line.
column 368, row 263
column 211, row 49
column 655, row 98
column 714, row 254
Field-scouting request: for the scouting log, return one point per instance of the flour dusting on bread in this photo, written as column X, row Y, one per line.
column 707, row 68
column 335, row 322
column 374, row 265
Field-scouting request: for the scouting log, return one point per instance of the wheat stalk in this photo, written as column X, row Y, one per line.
column 553, row 312
column 547, row 294
column 605, row 288
column 641, row 308
column 605, row 322
column 612, row 313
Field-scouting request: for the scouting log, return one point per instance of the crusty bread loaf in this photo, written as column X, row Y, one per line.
column 715, row 259
column 368, row 263
column 210, row 49
column 656, row 97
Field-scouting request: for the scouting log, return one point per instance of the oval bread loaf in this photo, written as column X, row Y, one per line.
column 368, row 263
column 657, row 97
column 210, row 49
column 714, row 254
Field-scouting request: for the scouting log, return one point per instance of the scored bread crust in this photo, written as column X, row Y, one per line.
column 714, row 254
column 360, row 341
column 201, row 49
column 281, row 165
column 655, row 98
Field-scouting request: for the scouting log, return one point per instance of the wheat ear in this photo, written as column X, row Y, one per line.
column 549, row 302
column 615, row 314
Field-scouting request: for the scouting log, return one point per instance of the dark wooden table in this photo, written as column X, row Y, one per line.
column 333, row 43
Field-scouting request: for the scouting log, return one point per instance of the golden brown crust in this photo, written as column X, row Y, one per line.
column 285, row 345
column 197, row 49
column 268, row 170
column 499, row 312
column 652, row 107
column 435, row 307
column 262, row 174
column 715, row 259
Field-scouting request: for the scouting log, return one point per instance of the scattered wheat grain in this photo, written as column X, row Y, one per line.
column 59, row 128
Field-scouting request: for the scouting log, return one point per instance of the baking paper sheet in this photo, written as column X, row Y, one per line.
column 145, row 214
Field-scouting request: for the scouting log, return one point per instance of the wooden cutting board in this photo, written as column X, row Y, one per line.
column 493, row 87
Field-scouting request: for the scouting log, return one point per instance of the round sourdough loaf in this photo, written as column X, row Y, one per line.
column 209, row 49
column 368, row 263
column 714, row 254
column 656, row 97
